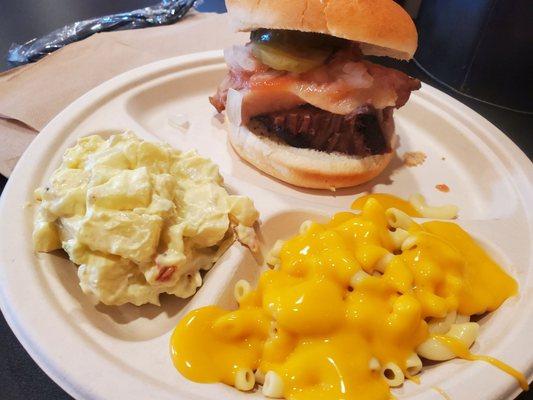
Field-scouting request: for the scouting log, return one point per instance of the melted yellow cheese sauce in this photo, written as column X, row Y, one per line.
column 461, row 351
column 320, row 329
column 387, row 201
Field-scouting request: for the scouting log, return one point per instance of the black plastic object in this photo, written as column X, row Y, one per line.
column 480, row 48
column 164, row 13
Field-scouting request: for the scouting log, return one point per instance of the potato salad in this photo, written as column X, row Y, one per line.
column 138, row 218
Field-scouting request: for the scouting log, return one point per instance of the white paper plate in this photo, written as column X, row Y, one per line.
column 99, row 352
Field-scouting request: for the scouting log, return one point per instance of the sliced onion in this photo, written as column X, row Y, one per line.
column 234, row 106
column 241, row 58
column 356, row 75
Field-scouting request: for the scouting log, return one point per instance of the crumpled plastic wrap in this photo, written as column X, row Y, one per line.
column 164, row 13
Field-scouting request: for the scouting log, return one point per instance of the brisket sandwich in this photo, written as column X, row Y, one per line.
column 303, row 101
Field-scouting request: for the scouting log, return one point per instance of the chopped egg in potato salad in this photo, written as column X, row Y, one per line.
column 139, row 218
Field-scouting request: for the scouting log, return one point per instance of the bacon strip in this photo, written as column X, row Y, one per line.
column 165, row 274
column 343, row 84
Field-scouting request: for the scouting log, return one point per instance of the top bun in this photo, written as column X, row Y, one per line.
column 382, row 27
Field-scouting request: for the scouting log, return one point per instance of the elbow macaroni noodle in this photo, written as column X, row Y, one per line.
column 433, row 349
column 398, row 219
column 374, row 365
column 244, row 379
column 241, row 290
column 306, row 225
column 273, row 255
column 259, row 376
column 409, row 243
column 351, row 304
column 398, row 236
column 384, row 262
column 442, row 325
column 441, row 212
column 273, row 385
column 273, row 329
column 357, row 278
column 413, row 364
column 461, row 319
column 393, row 374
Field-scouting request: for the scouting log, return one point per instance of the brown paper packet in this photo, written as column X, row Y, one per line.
column 35, row 93
column 15, row 137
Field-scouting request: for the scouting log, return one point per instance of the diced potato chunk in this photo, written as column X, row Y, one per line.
column 46, row 237
column 126, row 234
column 126, row 190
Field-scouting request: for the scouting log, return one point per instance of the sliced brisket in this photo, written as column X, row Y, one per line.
column 358, row 133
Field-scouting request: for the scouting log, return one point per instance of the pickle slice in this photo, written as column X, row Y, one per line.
column 288, row 58
column 297, row 39
column 293, row 51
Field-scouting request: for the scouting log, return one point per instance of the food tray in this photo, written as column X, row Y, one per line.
column 101, row 352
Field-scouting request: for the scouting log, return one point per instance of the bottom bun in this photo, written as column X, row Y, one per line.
column 306, row 168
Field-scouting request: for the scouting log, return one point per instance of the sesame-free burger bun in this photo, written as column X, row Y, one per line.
column 382, row 27
column 302, row 167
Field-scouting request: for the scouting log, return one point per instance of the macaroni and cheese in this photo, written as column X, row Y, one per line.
column 348, row 308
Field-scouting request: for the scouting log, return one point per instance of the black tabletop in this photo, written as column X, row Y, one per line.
column 21, row 20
